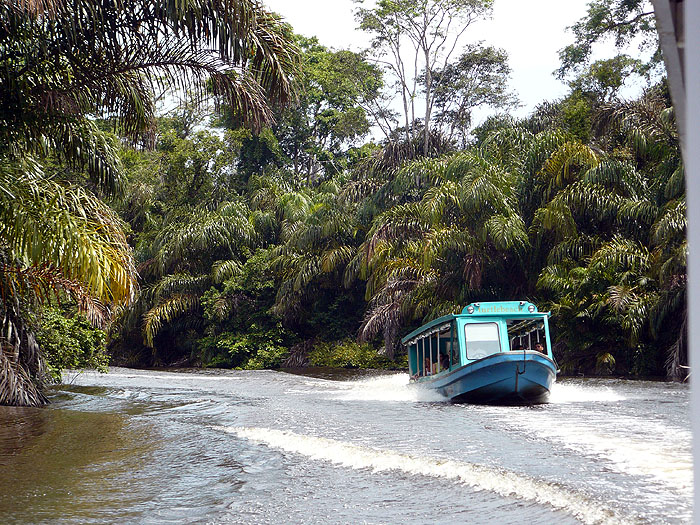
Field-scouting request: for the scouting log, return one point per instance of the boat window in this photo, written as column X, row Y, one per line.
column 525, row 334
column 482, row 340
column 445, row 348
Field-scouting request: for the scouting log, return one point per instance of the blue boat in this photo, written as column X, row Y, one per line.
column 491, row 353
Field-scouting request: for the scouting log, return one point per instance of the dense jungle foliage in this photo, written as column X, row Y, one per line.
column 269, row 230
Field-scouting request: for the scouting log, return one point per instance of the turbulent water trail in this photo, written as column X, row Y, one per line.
column 508, row 484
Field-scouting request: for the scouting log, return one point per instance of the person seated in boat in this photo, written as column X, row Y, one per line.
column 540, row 348
column 426, row 369
column 444, row 362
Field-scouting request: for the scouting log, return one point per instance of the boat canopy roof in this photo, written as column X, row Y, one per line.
column 430, row 328
column 506, row 309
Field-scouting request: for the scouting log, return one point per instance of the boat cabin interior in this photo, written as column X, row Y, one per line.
column 526, row 334
column 436, row 351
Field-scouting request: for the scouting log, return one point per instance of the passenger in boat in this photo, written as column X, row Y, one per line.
column 444, row 361
column 427, row 370
column 540, row 348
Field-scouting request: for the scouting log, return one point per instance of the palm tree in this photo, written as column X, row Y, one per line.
column 195, row 249
column 113, row 58
column 649, row 129
column 427, row 257
column 319, row 241
column 54, row 240
column 618, row 263
column 64, row 63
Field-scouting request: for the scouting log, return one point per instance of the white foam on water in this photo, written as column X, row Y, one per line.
column 569, row 393
column 502, row 482
column 635, row 445
column 91, row 377
column 640, row 447
column 394, row 387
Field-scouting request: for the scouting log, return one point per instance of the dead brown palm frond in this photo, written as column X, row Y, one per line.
column 394, row 154
column 17, row 387
column 42, row 283
column 22, row 371
column 677, row 357
column 35, row 7
column 379, row 318
column 473, row 270
column 391, row 303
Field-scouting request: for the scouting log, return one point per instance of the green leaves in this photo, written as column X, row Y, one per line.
column 619, row 20
column 166, row 311
column 64, row 64
column 47, row 222
column 115, row 56
column 69, row 342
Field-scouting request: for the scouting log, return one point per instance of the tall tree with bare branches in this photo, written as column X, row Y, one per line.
column 414, row 38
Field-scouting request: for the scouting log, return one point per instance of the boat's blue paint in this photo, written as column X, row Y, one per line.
column 504, row 376
column 508, row 378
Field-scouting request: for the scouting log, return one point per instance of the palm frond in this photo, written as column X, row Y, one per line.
column 562, row 165
column 223, row 270
column 507, row 233
column 672, row 223
column 622, row 253
column 337, row 257
column 165, row 312
column 555, row 217
column 45, row 221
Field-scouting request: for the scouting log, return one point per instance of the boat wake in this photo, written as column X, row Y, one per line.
column 478, row 477
column 384, row 388
column 570, row 393
column 660, row 457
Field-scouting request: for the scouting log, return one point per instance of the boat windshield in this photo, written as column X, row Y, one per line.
column 482, row 340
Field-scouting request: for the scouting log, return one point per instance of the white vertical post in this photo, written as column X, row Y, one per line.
column 422, row 356
column 430, row 351
column 692, row 178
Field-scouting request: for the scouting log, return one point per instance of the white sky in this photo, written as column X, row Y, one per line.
column 532, row 32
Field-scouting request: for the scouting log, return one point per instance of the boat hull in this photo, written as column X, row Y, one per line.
column 505, row 378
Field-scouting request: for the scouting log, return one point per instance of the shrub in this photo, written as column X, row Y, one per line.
column 70, row 342
column 348, row 354
column 257, row 349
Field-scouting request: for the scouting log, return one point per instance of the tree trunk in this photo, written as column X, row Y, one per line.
column 428, row 87
column 390, row 333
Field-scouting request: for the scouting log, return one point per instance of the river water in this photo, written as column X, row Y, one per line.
column 274, row 447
